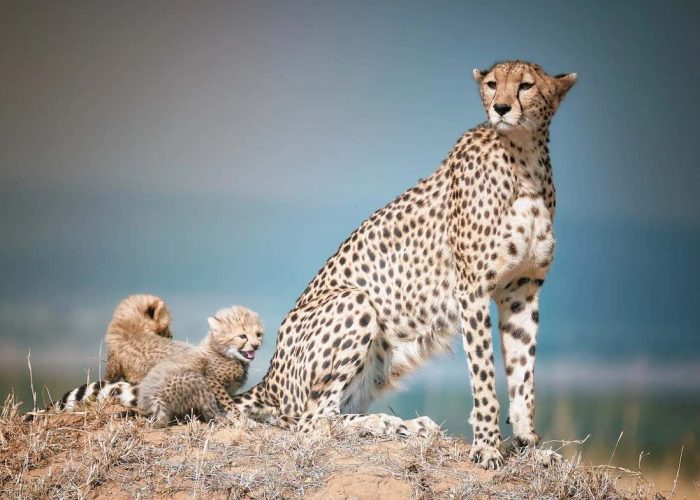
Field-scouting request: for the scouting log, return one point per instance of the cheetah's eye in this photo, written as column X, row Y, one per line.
column 243, row 336
column 525, row 86
column 491, row 84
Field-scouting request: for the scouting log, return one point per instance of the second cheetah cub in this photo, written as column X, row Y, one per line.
column 202, row 379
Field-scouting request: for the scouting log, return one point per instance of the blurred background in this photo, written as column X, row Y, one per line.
column 216, row 153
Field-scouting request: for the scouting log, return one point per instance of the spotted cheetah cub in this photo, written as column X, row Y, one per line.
column 235, row 335
column 138, row 336
column 202, row 379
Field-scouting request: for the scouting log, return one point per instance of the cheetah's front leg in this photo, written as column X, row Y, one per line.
column 223, row 398
column 518, row 319
column 484, row 416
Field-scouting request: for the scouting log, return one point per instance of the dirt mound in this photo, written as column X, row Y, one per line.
column 98, row 453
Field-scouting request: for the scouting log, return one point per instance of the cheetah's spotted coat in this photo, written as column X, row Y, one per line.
column 425, row 267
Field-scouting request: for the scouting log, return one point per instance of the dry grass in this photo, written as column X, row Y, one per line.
column 98, row 453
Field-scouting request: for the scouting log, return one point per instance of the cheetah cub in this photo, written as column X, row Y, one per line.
column 140, row 327
column 138, row 336
column 236, row 333
column 202, row 379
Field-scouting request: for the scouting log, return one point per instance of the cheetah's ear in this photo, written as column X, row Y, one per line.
column 157, row 310
column 564, row 82
column 479, row 74
column 213, row 321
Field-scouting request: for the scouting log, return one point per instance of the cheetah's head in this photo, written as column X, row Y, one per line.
column 143, row 313
column 236, row 332
column 520, row 96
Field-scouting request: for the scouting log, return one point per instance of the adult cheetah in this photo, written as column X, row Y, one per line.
column 425, row 267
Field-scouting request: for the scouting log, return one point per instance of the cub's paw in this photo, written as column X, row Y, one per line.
column 422, row 426
column 488, row 456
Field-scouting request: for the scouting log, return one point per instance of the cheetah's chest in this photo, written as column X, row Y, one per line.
column 526, row 240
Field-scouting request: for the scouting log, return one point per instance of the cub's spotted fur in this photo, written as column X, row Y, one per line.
column 180, row 376
column 138, row 320
column 203, row 379
column 424, row 268
column 235, row 334
column 132, row 347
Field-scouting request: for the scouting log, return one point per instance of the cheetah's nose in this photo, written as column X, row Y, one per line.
column 501, row 109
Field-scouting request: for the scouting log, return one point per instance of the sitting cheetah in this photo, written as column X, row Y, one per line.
column 425, row 267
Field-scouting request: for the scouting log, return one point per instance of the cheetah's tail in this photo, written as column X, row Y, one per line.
column 94, row 391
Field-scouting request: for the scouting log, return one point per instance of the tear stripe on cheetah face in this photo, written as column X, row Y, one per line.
column 425, row 265
column 524, row 91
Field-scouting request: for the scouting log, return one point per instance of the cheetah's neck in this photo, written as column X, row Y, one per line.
column 532, row 167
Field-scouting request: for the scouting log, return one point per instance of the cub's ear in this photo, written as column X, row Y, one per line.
column 213, row 322
column 158, row 310
column 564, row 82
column 479, row 74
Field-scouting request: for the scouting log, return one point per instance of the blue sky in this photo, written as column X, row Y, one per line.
column 218, row 153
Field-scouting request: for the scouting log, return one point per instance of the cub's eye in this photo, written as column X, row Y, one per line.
column 525, row 86
column 491, row 84
column 242, row 336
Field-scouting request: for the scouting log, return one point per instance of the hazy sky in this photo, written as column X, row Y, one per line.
column 218, row 152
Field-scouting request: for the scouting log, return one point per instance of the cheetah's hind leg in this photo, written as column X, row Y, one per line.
column 355, row 362
column 381, row 424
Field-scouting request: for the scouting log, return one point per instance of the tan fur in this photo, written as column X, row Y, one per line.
column 137, row 337
column 177, row 377
column 426, row 266
column 202, row 379
column 531, row 108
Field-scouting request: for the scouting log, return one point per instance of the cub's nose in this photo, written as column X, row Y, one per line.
column 501, row 109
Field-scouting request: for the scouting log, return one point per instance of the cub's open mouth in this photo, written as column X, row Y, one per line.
column 248, row 354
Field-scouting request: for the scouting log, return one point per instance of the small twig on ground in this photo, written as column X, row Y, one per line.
column 641, row 457
column 678, row 471
column 564, row 443
column 99, row 363
column 615, row 449
column 31, row 378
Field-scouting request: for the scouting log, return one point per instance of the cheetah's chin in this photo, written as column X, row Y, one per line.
column 503, row 125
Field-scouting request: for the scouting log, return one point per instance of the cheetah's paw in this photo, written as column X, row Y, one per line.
column 422, row 426
column 546, row 458
column 380, row 425
column 525, row 439
column 488, row 456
